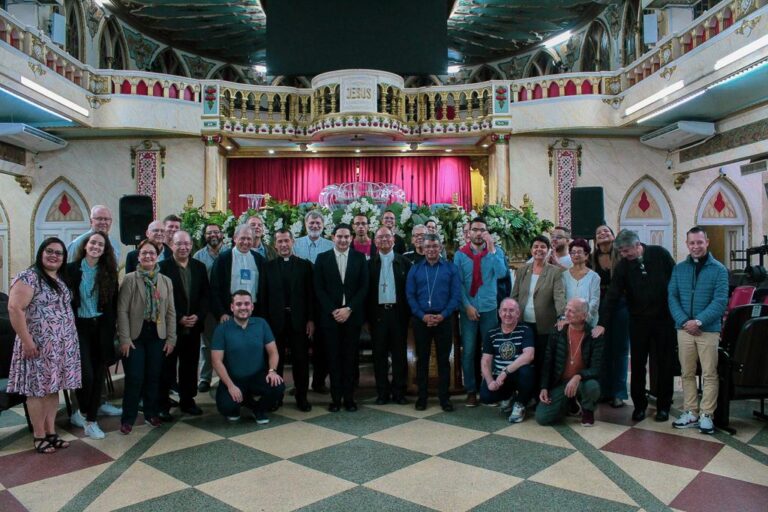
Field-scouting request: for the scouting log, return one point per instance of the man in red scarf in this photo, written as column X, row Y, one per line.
column 480, row 265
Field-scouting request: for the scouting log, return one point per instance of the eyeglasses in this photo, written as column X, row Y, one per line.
column 183, row 244
column 102, row 219
column 383, row 237
column 213, row 233
column 361, row 223
column 147, row 253
column 478, row 230
column 54, row 252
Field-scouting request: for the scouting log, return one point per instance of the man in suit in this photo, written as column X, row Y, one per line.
column 155, row 233
column 388, row 315
column 288, row 302
column 190, row 297
column 239, row 268
column 341, row 285
column 257, row 225
column 388, row 220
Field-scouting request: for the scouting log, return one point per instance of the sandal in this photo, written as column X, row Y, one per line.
column 55, row 441
column 43, row 445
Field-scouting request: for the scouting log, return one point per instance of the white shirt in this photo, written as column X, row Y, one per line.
column 529, row 314
column 341, row 263
column 245, row 273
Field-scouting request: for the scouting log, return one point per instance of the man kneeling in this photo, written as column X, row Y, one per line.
column 571, row 367
column 237, row 355
column 506, row 363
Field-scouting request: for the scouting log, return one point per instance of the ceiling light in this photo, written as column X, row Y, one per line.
column 314, row 151
column 260, row 69
column 653, row 98
column 673, row 105
column 227, row 147
column 25, row 100
column 55, row 97
column 357, row 151
column 742, row 52
column 271, row 151
column 485, row 145
column 452, row 70
column 448, row 150
column 738, row 74
column 558, row 39
column 404, row 150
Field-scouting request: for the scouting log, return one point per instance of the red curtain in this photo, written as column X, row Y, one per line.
column 426, row 179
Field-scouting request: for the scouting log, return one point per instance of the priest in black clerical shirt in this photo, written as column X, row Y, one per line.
column 287, row 305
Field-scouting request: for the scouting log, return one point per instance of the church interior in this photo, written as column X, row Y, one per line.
column 660, row 107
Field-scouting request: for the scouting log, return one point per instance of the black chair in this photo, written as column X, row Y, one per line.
column 743, row 361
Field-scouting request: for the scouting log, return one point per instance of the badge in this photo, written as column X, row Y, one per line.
column 245, row 274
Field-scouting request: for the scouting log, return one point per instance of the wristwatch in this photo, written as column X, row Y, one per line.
column 698, row 322
column 272, row 370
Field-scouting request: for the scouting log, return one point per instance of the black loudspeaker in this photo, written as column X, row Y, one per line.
column 586, row 211
column 135, row 216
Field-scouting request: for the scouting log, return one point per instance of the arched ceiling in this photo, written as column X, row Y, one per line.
column 234, row 31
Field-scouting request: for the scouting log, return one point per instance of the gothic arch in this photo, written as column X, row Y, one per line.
column 61, row 210
column 647, row 209
column 722, row 204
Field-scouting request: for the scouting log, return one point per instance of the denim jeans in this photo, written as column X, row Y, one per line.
column 469, row 344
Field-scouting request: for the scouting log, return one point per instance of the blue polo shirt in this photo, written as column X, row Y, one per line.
column 243, row 347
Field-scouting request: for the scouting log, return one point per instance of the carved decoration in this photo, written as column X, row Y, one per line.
column 667, row 72
column 198, row 67
column 25, row 182
column 36, row 68
column 613, row 84
column 680, row 180
column 666, row 53
column 746, row 27
column 513, row 69
column 140, row 48
column 96, row 102
column 743, row 135
column 615, row 103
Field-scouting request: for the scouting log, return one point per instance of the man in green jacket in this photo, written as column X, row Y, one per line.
column 571, row 367
column 698, row 296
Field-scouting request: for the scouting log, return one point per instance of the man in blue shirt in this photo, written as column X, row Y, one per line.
column 481, row 264
column 433, row 289
column 237, row 353
column 698, row 296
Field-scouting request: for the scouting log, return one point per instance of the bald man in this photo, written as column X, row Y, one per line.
column 156, row 233
column 101, row 220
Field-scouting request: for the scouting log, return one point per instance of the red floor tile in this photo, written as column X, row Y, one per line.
column 666, row 448
column 10, row 504
column 620, row 416
column 708, row 492
column 28, row 466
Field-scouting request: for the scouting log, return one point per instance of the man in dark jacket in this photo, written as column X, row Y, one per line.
column 388, row 316
column 288, row 305
column 642, row 276
column 190, row 297
column 571, row 368
column 238, row 268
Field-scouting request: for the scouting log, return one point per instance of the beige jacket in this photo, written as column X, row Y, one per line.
column 130, row 309
column 548, row 296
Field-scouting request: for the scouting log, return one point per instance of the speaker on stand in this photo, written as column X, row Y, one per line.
column 135, row 216
column 586, row 211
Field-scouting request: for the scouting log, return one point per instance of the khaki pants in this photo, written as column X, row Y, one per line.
column 701, row 348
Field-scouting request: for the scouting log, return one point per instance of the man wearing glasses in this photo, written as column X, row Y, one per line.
column 207, row 255
column 101, row 220
column 642, row 275
column 361, row 242
column 416, row 254
column 561, row 237
column 481, row 264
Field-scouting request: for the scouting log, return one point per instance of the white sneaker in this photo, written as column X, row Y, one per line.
column 686, row 420
column 518, row 413
column 77, row 419
column 107, row 409
column 93, row 431
column 506, row 405
column 233, row 419
column 706, row 425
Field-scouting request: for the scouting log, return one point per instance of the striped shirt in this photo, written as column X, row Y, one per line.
column 505, row 348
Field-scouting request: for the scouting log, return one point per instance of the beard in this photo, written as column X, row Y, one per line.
column 315, row 233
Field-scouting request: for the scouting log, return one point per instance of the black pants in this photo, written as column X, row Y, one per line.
column 342, row 342
column 297, row 343
column 389, row 333
column 442, row 334
column 539, row 351
column 319, row 356
column 654, row 339
column 143, row 369
column 185, row 357
column 93, row 362
column 249, row 386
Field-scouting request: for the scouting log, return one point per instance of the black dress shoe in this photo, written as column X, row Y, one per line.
column 321, row 389
column 447, row 406
column 192, row 410
column 350, row 406
column 204, row 386
column 303, row 405
column 421, row 404
column 400, row 400
column 165, row 416
column 661, row 416
column 638, row 415
column 334, row 407
column 381, row 401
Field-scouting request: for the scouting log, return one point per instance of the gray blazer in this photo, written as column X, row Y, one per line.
column 130, row 309
column 548, row 296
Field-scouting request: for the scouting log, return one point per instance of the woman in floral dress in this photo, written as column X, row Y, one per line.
column 46, row 354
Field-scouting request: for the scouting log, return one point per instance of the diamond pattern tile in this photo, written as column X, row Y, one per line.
column 188, row 499
column 360, row 498
column 667, row 448
column 714, row 493
column 363, row 422
column 426, row 436
column 544, row 498
column 27, row 466
column 292, row 439
column 217, row 424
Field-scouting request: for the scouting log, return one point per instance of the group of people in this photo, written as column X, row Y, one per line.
column 559, row 338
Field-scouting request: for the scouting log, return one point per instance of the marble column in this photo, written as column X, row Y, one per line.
column 215, row 175
column 498, row 169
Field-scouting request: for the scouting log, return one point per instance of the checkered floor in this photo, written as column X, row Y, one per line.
column 389, row 458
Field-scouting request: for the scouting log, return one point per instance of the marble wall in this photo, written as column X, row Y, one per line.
column 616, row 164
column 101, row 171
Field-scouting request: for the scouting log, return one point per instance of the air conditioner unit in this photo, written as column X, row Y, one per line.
column 30, row 138
column 678, row 134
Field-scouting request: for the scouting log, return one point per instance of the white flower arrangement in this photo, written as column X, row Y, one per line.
column 296, row 228
column 405, row 215
column 362, row 207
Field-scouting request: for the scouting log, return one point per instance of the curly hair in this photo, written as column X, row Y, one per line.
column 106, row 269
